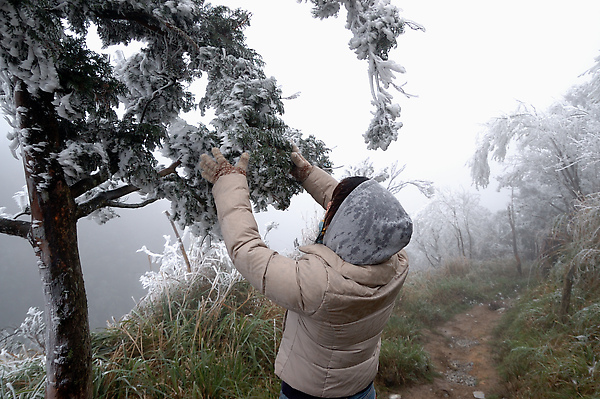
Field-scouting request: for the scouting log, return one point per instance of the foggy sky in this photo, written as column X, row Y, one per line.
column 111, row 265
column 475, row 61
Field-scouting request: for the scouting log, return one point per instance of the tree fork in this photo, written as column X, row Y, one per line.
column 54, row 239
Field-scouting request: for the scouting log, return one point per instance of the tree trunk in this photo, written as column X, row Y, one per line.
column 54, row 239
column 513, row 229
column 565, row 302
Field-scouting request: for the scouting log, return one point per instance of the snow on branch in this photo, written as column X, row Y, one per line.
column 13, row 227
column 109, row 198
column 376, row 25
column 389, row 177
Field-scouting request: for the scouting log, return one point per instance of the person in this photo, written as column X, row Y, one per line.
column 340, row 294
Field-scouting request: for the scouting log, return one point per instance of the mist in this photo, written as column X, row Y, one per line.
column 441, row 124
column 110, row 261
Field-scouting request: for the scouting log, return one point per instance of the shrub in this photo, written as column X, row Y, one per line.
column 403, row 359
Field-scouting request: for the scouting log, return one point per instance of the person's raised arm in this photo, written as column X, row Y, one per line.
column 295, row 285
column 318, row 183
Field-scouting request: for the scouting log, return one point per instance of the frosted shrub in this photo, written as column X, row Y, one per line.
column 209, row 266
column 33, row 329
column 28, row 337
column 22, row 350
column 585, row 245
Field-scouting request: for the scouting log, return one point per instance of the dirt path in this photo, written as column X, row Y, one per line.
column 461, row 353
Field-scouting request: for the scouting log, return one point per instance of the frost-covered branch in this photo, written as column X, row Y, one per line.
column 158, row 92
column 91, row 181
column 140, row 17
column 107, row 198
column 375, row 25
column 123, row 205
column 14, row 227
column 389, row 176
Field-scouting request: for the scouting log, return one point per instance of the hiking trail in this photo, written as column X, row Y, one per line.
column 462, row 356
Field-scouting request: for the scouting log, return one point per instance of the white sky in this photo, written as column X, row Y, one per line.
column 476, row 60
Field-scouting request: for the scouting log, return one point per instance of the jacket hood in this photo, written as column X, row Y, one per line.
column 369, row 227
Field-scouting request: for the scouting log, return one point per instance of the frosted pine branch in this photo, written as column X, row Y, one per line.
column 375, row 25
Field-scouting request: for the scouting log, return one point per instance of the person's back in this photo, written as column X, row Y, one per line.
column 339, row 294
column 335, row 350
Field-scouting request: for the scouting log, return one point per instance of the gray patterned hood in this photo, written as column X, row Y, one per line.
column 369, row 227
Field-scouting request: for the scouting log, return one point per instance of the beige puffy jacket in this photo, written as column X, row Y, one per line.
column 336, row 310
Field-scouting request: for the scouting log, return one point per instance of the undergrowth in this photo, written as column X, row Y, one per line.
column 543, row 353
column 204, row 342
column 550, row 347
column 222, row 349
column 545, row 357
column 427, row 300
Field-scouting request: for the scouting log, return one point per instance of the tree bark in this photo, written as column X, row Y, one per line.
column 565, row 302
column 54, row 239
column 513, row 229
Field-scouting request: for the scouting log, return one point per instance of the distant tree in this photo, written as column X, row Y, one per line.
column 88, row 127
column 546, row 163
column 430, row 239
column 389, row 177
column 549, row 159
column 455, row 225
column 553, row 169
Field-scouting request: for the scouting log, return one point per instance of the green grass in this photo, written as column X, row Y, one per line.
column 544, row 357
column 222, row 350
column 194, row 343
column 26, row 381
column 403, row 360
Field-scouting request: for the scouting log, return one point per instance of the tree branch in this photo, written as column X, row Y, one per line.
column 84, row 185
column 155, row 95
column 117, row 204
column 170, row 169
column 146, row 20
column 107, row 198
column 13, row 227
column 140, row 18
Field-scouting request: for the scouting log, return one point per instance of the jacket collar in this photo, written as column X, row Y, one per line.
column 369, row 275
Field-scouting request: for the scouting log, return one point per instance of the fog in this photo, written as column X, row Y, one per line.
column 473, row 63
column 111, row 265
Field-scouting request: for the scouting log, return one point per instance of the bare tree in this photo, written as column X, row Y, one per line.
column 389, row 177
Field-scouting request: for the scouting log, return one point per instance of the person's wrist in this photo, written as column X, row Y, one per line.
column 228, row 170
column 302, row 167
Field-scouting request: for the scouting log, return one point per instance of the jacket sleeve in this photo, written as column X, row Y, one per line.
column 320, row 185
column 296, row 285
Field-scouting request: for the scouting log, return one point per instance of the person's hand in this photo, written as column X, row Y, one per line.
column 213, row 169
column 302, row 167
